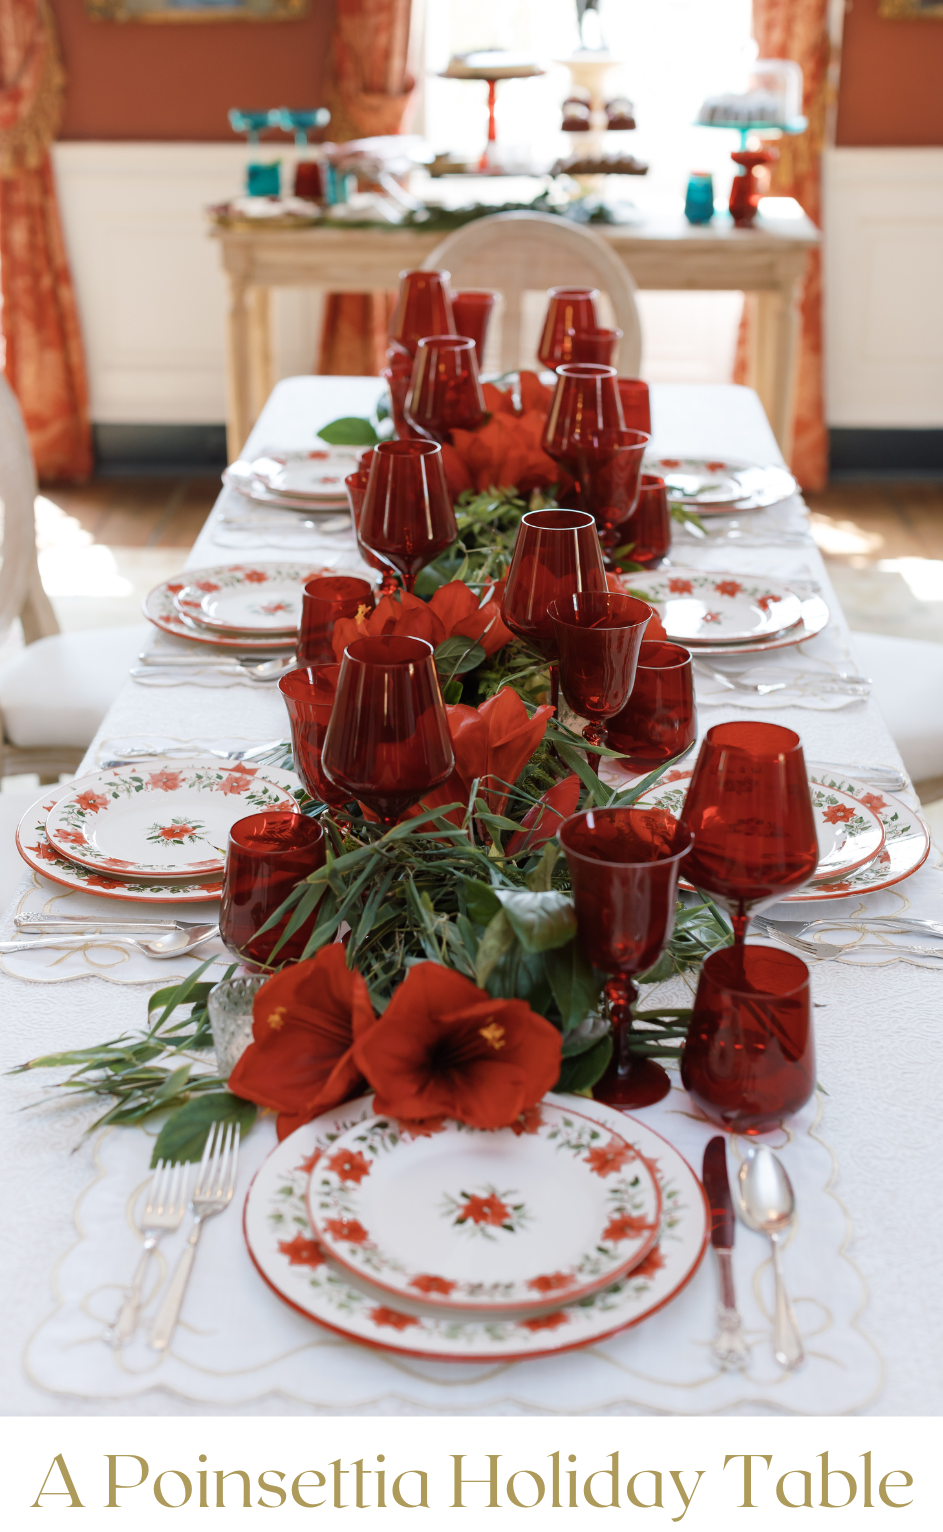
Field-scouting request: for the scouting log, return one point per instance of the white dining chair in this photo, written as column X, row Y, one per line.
column 908, row 688
column 56, row 690
column 518, row 253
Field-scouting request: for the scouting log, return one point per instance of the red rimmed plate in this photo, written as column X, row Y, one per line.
column 159, row 605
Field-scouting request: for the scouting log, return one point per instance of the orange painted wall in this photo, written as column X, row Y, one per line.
column 137, row 81
column 891, row 89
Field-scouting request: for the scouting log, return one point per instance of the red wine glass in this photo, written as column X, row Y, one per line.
column 555, row 554
column 309, row 697
column 624, row 866
column 570, row 311
column 388, row 742
column 356, row 487
column 472, row 308
column 659, row 721
column 595, row 346
column 325, row 600
column 445, row 391
column 648, row 530
column 585, row 413
column 598, row 636
column 749, row 1057
column 610, row 482
column 268, row 855
column 407, row 518
column 636, row 404
column 750, row 811
column 423, row 307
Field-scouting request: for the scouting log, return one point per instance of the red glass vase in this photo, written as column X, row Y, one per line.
column 750, row 811
column 407, row 518
column 325, row 600
column 624, row 866
column 610, row 483
column 388, row 741
column 659, row 721
column 749, row 1058
column 445, row 391
column 636, row 404
column 309, row 698
column 570, row 311
column 595, row 346
column 268, row 855
column 585, row 414
column 423, row 307
column 598, row 635
column 647, row 532
column 472, row 309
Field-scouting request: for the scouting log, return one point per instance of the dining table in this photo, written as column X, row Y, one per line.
column 863, row 1155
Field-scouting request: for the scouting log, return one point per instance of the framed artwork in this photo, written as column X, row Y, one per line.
column 911, row 10
column 196, row 10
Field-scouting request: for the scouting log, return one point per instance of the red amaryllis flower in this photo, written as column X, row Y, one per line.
column 508, row 449
column 443, row 1047
column 453, row 611
column 493, row 742
column 305, row 1022
column 542, row 822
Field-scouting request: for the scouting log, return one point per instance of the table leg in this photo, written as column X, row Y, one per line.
column 776, row 339
column 239, row 415
column 260, row 348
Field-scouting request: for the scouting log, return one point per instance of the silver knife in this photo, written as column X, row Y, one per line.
column 730, row 1345
column 73, row 924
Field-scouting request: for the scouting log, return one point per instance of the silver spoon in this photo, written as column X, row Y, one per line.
column 767, row 1204
column 175, row 944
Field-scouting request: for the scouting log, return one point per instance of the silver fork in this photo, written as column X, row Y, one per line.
column 896, row 925
column 825, row 950
column 163, row 1211
column 825, row 681
column 215, row 1183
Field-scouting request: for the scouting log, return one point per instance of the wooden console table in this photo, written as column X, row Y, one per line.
column 767, row 261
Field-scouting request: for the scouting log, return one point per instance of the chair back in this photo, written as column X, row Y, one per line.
column 526, row 252
column 21, row 591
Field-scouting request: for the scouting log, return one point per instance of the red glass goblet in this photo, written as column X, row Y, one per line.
column 659, row 721
column 356, row 487
column 388, row 741
column 407, row 518
column 423, row 307
column 556, row 553
column 646, row 534
column 610, row 481
column 445, row 391
column 309, row 697
column 636, row 405
column 570, row 311
column 749, row 1058
column 624, row 866
column 750, row 811
column 585, row 413
column 598, row 636
column 325, row 600
column 472, row 309
column 595, row 346
column 268, row 855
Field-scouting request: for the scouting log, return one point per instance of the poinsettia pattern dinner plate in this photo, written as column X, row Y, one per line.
column 161, row 821
column 653, row 588
column 318, row 474
column 234, row 604
column 239, row 477
column 704, row 608
column 289, row 1258
column 160, row 609
column 467, row 1219
column 718, row 486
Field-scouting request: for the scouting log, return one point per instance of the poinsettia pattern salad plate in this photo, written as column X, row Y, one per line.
column 466, row 1219
column 238, row 476
column 160, row 608
column 318, row 474
column 237, row 605
column 162, row 821
column 289, row 1258
column 718, row 485
column 653, row 588
column 698, row 608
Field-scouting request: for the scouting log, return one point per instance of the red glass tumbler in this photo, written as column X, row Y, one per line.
column 624, row 866
column 595, row 346
column 388, row 741
column 585, row 413
column 646, row 534
column 636, row 404
column 570, row 311
column 309, row 697
column 325, row 600
column 556, row 553
column 610, row 483
column 407, row 518
column 750, row 811
column 423, row 307
column 268, row 855
column 598, row 636
column 659, row 721
column 749, row 1058
column 472, row 308
column 445, row 391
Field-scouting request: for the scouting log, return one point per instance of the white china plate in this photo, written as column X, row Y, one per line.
column 699, row 608
column 159, row 605
column 253, row 489
column 315, row 475
column 716, row 486
column 814, row 613
column 161, row 820
column 462, row 1219
column 289, row 1258
column 238, row 607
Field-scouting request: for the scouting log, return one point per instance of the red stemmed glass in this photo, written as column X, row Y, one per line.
column 646, row 533
column 445, row 391
column 472, row 308
column 268, row 855
column 595, row 346
column 423, row 307
column 356, row 487
column 636, row 404
column 750, row 811
column 325, row 600
column 659, row 721
column 585, row 414
column 598, row 636
column 396, row 376
column 309, row 697
column 407, row 518
column 388, row 741
column 749, row 1057
column 570, row 311
column 555, row 554
column 624, row 866
column 610, row 481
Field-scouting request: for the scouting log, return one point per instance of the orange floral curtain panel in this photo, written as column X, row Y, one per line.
column 798, row 29
column 369, row 92
column 43, row 344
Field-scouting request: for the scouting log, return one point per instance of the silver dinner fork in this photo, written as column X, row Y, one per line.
column 826, row 950
column 215, row 1183
column 163, row 1212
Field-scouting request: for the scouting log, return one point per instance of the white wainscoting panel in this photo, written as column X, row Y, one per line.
column 883, row 214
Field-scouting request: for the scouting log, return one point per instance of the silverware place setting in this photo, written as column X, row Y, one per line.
column 766, row 1203
column 831, row 950
column 173, row 944
column 212, row 1194
column 163, row 1214
column 838, row 683
column 730, row 1346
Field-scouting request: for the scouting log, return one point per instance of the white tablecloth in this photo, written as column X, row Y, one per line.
column 878, row 1033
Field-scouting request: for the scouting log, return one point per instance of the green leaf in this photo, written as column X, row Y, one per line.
column 184, row 1135
column 349, row 431
column 456, row 656
column 452, row 692
column 540, row 920
column 498, row 939
column 481, row 901
column 575, row 983
column 538, row 881
column 581, row 1072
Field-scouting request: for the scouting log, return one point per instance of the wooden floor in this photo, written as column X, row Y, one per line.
column 142, row 512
